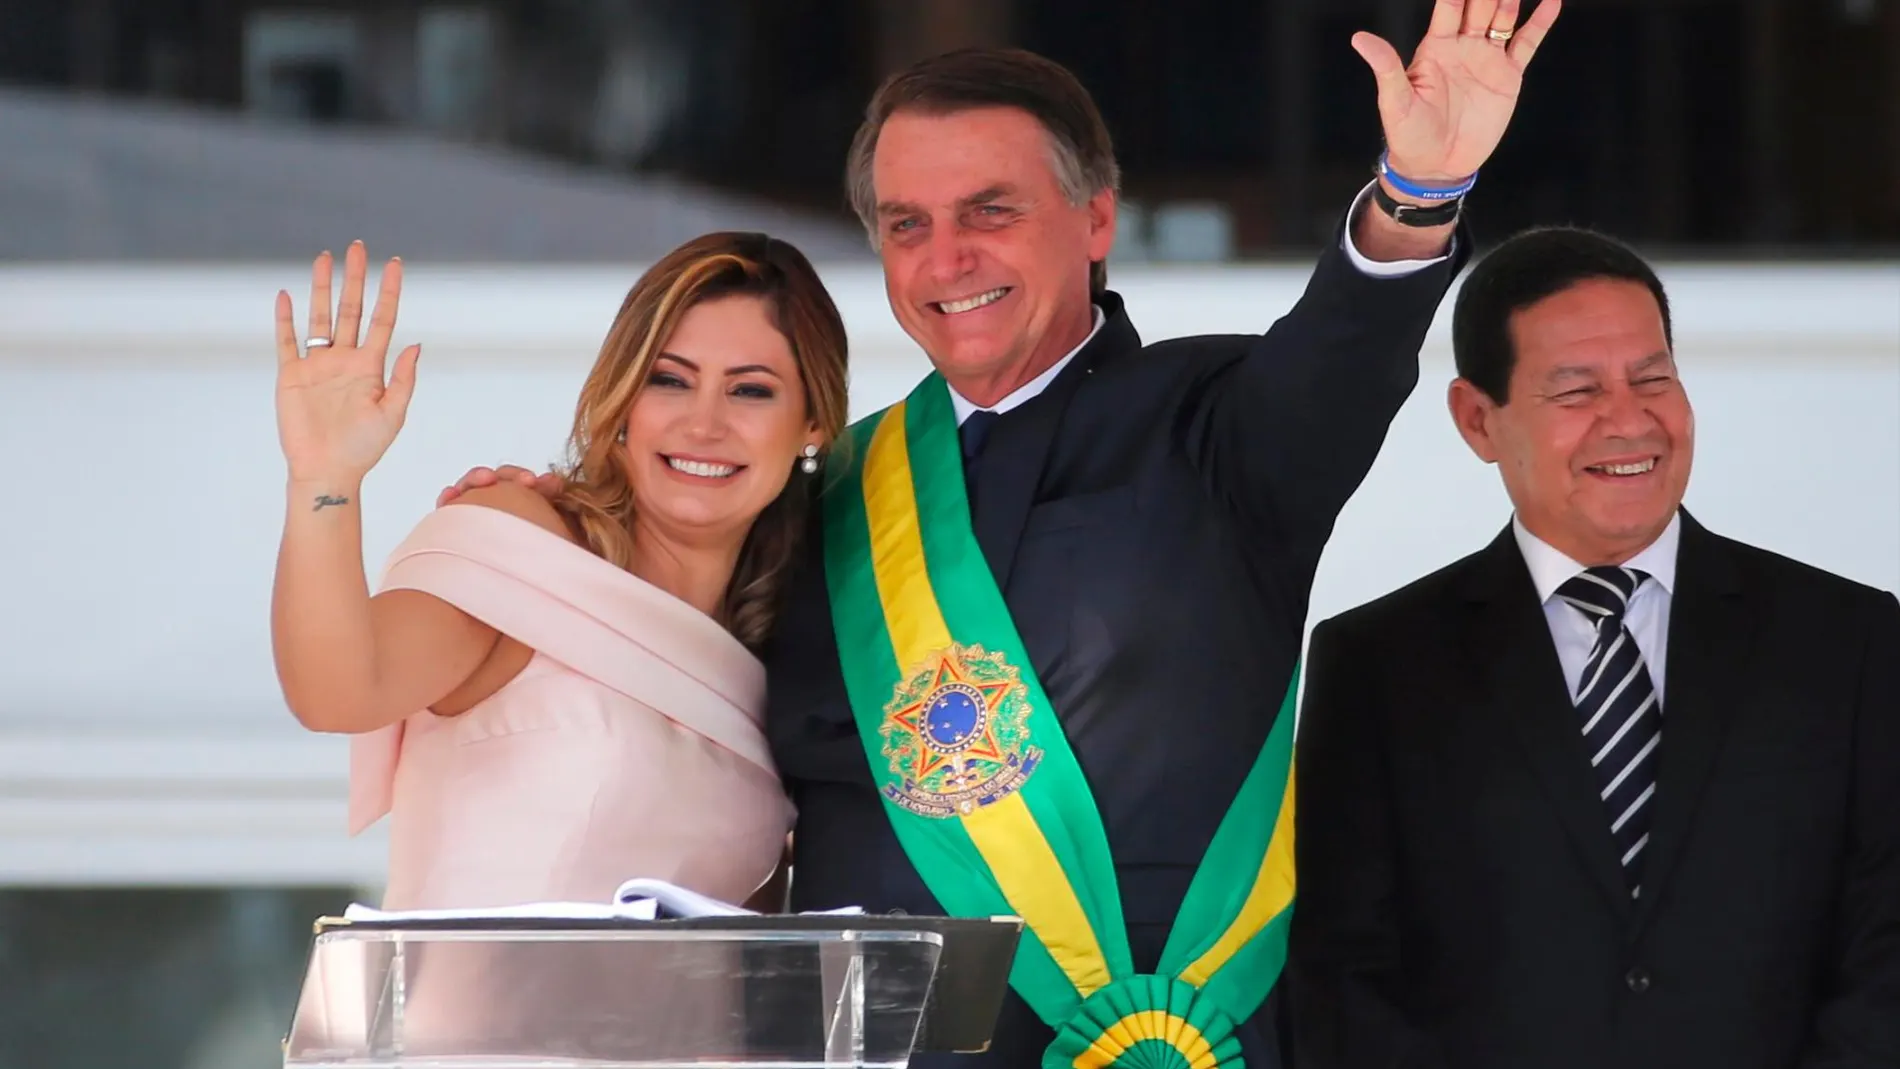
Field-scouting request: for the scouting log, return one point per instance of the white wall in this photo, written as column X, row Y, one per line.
column 142, row 737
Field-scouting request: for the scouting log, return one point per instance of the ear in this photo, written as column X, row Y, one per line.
column 1102, row 218
column 1471, row 410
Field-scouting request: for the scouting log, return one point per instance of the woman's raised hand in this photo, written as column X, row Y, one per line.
column 336, row 414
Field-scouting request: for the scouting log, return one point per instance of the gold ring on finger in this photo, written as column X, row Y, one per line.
column 1500, row 36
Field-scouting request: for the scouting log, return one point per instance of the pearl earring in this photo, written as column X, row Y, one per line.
column 810, row 463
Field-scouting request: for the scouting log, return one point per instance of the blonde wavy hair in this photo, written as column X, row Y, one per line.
column 598, row 498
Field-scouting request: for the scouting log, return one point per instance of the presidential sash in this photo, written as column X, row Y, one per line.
column 986, row 796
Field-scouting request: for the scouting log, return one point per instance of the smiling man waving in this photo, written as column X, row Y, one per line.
column 1043, row 660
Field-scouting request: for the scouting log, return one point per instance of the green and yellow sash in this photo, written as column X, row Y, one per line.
column 987, row 798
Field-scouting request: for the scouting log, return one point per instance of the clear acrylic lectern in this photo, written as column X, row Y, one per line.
column 785, row 991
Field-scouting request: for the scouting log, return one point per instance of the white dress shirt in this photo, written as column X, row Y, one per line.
column 1648, row 615
column 1375, row 268
column 1027, row 390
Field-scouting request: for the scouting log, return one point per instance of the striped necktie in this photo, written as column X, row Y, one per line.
column 1620, row 710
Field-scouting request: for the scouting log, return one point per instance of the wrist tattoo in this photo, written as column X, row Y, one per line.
column 326, row 500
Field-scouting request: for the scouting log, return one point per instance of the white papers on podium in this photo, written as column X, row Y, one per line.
column 676, row 901
column 637, row 899
column 673, row 899
column 645, row 910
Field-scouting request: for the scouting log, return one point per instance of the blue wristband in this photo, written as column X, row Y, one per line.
column 1413, row 189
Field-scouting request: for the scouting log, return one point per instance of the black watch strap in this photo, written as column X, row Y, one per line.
column 1414, row 214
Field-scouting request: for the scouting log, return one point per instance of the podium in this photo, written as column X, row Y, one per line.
column 791, row 992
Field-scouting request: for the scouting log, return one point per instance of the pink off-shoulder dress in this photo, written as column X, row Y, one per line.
column 630, row 745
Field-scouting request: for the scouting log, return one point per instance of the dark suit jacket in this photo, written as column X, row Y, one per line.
column 1154, row 519
column 1460, row 902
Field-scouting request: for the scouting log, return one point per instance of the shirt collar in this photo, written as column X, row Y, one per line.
column 1551, row 569
column 1028, row 389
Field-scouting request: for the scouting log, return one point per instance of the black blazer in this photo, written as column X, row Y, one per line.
column 1154, row 519
column 1460, row 901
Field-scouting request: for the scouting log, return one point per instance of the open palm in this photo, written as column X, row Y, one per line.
column 1445, row 114
column 336, row 414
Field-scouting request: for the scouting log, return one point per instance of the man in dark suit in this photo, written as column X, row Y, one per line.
column 1614, row 791
column 1151, row 515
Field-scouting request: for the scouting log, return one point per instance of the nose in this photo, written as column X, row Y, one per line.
column 1624, row 414
column 706, row 418
column 948, row 254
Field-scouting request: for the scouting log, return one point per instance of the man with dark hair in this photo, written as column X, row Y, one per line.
column 1041, row 660
column 1614, row 790
column 1521, row 272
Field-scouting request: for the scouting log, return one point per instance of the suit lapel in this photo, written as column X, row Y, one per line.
column 1710, row 640
column 1013, row 460
column 1525, row 699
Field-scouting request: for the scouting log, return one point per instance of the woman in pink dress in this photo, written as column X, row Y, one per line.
column 551, row 698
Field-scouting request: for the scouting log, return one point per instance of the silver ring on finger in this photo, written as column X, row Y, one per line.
column 316, row 343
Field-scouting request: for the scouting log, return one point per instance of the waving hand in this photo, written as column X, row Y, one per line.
column 1445, row 113
column 336, row 414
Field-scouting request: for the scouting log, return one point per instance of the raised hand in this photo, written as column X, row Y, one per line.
column 336, row 414
column 1444, row 114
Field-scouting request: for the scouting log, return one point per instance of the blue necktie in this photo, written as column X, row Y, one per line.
column 974, row 432
column 1620, row 709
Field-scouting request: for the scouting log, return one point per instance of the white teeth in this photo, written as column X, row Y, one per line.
column 702, row 468
column 970, row 303
column 1638, row 468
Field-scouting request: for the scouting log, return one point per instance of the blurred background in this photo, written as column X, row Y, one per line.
column 1727, row 126
column 167, row 833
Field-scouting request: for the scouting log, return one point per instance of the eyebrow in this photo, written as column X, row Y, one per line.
column 1574, row 371
column 1585, row 371
column 743, row 369
column 995, row 192
column 985, row 195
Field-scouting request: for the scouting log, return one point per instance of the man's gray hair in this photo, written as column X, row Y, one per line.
column 1080, row 151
